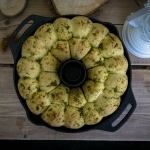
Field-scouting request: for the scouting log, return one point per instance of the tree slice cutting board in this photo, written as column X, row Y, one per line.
column 82, row 7
column 12, row 8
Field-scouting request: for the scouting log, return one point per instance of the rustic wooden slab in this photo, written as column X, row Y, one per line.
column 14, row 123
column 84, row 7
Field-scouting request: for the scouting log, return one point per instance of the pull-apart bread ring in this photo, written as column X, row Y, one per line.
column 52, row 45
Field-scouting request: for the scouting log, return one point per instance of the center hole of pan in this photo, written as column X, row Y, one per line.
column 72, row 73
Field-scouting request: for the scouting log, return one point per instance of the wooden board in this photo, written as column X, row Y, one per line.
column 14, row 123
column 12, row 8
column 82, row 7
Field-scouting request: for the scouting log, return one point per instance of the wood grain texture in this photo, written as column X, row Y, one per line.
column 11, row 8
column 114, row 11
column 84, row 7
column 14, row 123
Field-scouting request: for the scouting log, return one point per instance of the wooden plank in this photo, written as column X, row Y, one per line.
column 136, row 129
column 139, row 61
column 14, row 123
column 113, row 11
column 116, row 11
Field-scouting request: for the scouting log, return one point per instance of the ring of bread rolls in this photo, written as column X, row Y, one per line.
column 52, row 44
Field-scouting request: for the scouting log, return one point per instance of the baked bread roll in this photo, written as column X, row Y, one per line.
column 60, row 94
column 116, row 85
column 92, row 90
column 46, row 34
column 63, row 28
column 33, row 48
column 93, row 58
column 91, row 115
column 111, row 46
column 97, row 34
column 107, row 106
column 98, row 73
column 28, row 68
column 39, row 102
column 77, row 98
column 79, row 48
column 48, row 81
column 73, row 118
column 54, row 115
column 81, row 26
column 27, row 87
column 117, row 64
column 61, row 51
column 50, row 63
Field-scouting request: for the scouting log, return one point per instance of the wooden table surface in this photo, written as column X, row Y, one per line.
column 14, row 123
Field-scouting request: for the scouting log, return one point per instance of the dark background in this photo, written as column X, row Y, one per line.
column 74, row 145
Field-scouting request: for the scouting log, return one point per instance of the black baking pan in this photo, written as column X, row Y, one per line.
column 106, row 124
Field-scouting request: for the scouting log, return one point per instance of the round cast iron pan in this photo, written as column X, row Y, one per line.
column 107, row 123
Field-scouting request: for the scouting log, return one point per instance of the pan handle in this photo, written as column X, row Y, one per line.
column 14, row 45
column 129, row 100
